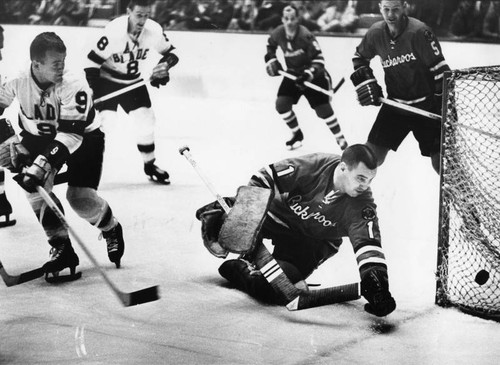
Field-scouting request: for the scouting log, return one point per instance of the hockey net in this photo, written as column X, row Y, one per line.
column 468, row 269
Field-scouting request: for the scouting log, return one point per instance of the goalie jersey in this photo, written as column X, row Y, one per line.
column 63, row 111
column 413, row 62
column 306, row 202
column 121, row 58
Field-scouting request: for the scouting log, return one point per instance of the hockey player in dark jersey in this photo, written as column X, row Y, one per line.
column 58, row 126
column 304, row 59
column 318, row 199
column 413, row 65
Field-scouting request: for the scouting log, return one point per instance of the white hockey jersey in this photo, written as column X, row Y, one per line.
column 64, row 111
column 120, row 57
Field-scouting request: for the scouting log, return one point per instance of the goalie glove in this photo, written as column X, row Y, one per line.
column 212, row 216
column 273, row 67
column 160, row 75
column 375, row 289
column 368, row 90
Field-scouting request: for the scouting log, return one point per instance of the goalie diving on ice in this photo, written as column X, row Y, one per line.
column 304, row 206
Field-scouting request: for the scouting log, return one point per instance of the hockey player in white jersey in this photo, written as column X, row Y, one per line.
column 115, row 62
column 58, row 126
column 5, row 207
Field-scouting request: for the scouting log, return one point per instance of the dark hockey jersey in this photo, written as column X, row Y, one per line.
column 413, row 62
column 306, row 202
column 301, row 52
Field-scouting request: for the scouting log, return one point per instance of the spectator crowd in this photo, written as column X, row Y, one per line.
column 460, row 19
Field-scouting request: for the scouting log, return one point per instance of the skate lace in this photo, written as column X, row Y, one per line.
column 54, row 253
column 111, row 238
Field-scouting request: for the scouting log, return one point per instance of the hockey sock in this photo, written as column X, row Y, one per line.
column 333, row 124
column 49, row 221
column 147, row 152
column 91, row 207
column 291, row 120
column 144, row 124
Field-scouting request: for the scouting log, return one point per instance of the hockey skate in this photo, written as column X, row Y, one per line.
column 5, row 212
column 296, row 140
column 342, row 142
column 115, row 244
column 62, row 256
column 156, row 174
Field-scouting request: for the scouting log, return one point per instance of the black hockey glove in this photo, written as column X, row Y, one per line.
column 368, row 90
column 305, row 76
column 273, row 67
column 375, row 289
column 161, row 75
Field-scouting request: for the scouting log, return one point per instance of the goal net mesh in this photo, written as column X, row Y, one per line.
column 468, row 271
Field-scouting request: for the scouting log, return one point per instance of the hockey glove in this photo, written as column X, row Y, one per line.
column 20, row 157
column 305, row 76
column 212, row 216
column 7, row 138
column 35, row 175
column 368, row 90
column 375, row 289
column 160, row 74
column 273, row 67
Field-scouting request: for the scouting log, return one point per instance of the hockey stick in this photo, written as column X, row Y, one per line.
column 410, row 108
column 11, row 280
column 128, row 299
column 120, row 91
column 265, row 262
column 313, row 86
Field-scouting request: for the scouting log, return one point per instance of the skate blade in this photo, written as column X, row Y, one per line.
column 56, row 278
column 294, row 146
column 8, row 223
column 159, row 181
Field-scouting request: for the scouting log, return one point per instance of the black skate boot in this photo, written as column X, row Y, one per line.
column 342, row 142
column 5, row 212
column 115, row 243
column 246, row 277
column 296, row 140
column 62, row 256
column 156, row 174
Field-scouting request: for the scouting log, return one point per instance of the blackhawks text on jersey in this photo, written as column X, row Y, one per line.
column 413, row 62
column 306, row 202
column 301, row 52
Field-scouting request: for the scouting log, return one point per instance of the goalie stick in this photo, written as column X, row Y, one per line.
column 128, row 299
column 313, row 86
column 265, row 262
column 11, row 280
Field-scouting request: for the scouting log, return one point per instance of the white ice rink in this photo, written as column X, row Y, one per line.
column 220, row 103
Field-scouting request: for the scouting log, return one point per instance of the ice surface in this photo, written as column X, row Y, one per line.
column 220, row 103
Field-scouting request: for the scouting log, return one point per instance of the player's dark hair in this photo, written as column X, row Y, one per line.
column 133, row 3
column 47, row 41
column 357, row 153
column 291, row 6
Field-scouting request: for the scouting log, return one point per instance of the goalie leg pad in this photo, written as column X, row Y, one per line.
column 240, row 230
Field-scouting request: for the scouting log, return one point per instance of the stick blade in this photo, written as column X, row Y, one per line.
column 11, row 280
column 139, row 297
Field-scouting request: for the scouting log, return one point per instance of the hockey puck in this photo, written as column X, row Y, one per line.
column 482, row 277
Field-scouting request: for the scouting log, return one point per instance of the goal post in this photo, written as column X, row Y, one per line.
column 468, row 262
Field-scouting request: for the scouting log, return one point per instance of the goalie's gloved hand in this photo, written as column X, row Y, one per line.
column 375, row 289
column 212, row 217
column 7, row 138
column 20, row 157
column 368, row 90
column 35, row 175
column 305, row 76
column 273, row 67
